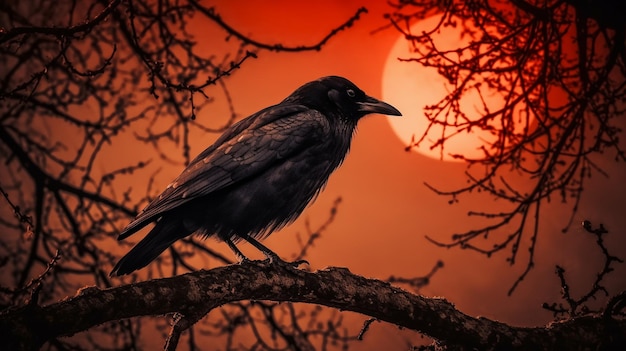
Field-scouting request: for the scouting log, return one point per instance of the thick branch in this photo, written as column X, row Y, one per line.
column 195, row 294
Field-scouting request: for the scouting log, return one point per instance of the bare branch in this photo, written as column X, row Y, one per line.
column 557, row 105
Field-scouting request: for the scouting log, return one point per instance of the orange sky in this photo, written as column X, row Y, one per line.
column 386, row 210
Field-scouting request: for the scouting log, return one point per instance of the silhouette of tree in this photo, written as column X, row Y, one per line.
column 559, row 68
column 81, row 77
column 77, row 78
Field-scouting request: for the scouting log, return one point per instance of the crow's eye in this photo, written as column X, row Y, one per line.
column 350, row 93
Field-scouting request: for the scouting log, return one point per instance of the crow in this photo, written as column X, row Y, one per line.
column 259, row 175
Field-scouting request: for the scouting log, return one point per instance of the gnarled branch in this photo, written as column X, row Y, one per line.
column 194, row 295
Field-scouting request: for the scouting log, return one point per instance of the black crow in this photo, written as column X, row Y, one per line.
column 259, row 175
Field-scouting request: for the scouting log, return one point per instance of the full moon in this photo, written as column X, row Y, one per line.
column 410, row 87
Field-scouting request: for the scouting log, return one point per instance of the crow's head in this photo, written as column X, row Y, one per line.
column 336, row 95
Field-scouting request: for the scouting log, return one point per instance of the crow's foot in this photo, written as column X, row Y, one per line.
column 275, row 259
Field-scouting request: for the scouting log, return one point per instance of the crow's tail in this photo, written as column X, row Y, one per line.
column 164, row 233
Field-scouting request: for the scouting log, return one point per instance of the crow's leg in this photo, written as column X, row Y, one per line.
column 240, row 256
column 271, row 255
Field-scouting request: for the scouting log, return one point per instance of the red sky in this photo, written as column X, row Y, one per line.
column 386, row 210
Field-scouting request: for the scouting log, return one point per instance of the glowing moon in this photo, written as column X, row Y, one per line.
column 410, row 87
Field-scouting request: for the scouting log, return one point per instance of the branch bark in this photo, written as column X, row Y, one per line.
column 194, row 295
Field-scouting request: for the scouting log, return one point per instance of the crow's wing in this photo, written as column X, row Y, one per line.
column 248, row 148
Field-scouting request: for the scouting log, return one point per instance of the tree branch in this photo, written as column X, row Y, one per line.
column 56, row 30
column 211, row 14
column 194, row 295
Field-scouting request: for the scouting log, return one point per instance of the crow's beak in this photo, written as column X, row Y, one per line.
column 371, row 105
